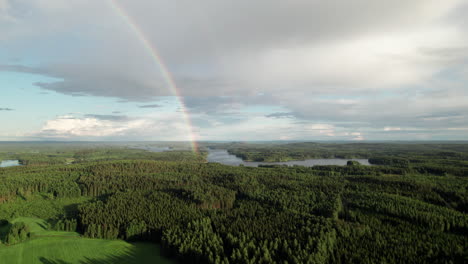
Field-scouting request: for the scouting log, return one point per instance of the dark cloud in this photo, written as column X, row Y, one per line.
column 94, row 85
column 6, row 109
column 442, row 115
column 150, row 106
column 224, row 38
column 423, row 112
column 226, row 105
column 281, row 115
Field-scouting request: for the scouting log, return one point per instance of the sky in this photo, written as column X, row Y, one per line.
column 239, row 70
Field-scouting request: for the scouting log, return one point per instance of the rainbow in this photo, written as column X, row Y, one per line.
column 153, row 52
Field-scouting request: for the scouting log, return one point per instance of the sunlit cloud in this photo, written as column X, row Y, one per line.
column 392, row 129
column 93, row 127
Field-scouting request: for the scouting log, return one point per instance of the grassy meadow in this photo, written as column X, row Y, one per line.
column 57, row 247
column 66, row 249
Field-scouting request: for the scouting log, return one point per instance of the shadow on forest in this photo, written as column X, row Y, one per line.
column 109, row 260
column 42, row 225
column 4, row 228
column 71, row 211
column 135, row 255
column 49, row 261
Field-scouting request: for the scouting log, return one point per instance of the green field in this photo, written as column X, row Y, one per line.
column 61, row 250
column 55, row 247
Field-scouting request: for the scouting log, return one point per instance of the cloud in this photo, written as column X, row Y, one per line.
column 108, row 117
column 223, row 105
column 392, row 129
column 347, row 66
column 170, row 126
column 276, row 129
column 64, row 127
column 150, row 106
column 320, row 127
column 359, row 138
column 281, row 115
column 302, row 46
column 5, row 11
column 6, row 109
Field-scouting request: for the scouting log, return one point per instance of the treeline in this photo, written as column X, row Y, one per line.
column 41, row 154
column 68, row 225
column 425, row 158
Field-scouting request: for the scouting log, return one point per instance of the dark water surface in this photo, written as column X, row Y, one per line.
column 223, row 157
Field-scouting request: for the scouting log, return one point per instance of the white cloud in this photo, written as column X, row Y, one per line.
column 377, row 61
column 4, row 5
column 70, row 126
column 4, row 11
column 320, row 127
column 167, row 126
column 392, row 129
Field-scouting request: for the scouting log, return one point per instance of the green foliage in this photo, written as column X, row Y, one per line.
column 42, row 154
column 430, row 159
column 68, row 225
column 18, row 232
column 41, row 206
column 353, row 163
column 411, row 209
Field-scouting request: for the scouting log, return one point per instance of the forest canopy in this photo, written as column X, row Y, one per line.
column 410, row 207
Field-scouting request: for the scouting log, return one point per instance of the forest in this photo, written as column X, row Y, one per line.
column 410, row 206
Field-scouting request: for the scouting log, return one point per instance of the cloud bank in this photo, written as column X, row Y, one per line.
column 378, row 68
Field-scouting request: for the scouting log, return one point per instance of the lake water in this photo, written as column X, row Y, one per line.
column 9, row 163
column 223, row 157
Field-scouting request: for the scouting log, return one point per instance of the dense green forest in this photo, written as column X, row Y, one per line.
column 414, row 152
column 426, row 158
column 411, row 207
column 40, row 153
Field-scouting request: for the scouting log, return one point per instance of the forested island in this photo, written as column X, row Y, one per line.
column 104, row 203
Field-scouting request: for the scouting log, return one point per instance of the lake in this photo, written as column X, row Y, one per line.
column 9, row 163
column 223, row 157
